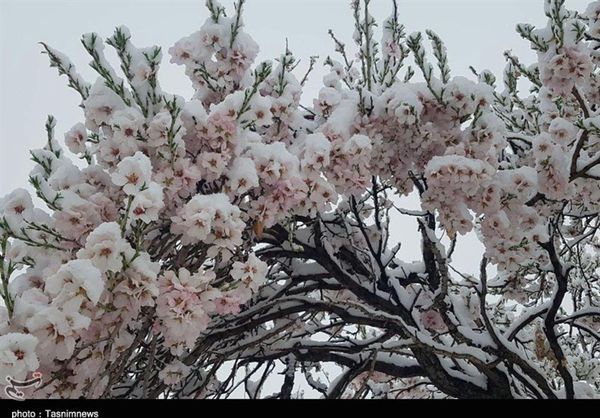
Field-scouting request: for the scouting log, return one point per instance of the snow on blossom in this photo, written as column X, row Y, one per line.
column 105, row 248
column 454, row 178
column 133, row 173
column 213, row 165
column 458, row 93
column 127, row 123
column 562, row 131
column 183, row 306
column 401, row 101
column 139, row 287
column 16, row 208
column 553, row 167
column 242, row 176
column 317, row 149
column 204, row 187
column 350, row 163
column 260, row 111
column 147, row 204
column 273, row 162
column 101, row 105
column 75, row 279
column 76, row 138
column 216, row 49
column 432, row 320
column 328, row 99
column 158, row 127
column 210, row 218
column 112, row 150
column 17, row 355
column 77, row 217
column 560, row 71
column 56, row 330
column 28, row 301
column 69, row 177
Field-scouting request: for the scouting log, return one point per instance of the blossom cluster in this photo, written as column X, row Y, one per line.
column 158, row 209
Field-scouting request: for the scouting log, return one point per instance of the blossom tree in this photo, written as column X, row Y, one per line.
column 241, row 243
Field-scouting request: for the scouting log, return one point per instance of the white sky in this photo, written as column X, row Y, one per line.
column 476, row 32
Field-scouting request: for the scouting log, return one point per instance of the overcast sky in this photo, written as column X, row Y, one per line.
column 476, row 32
